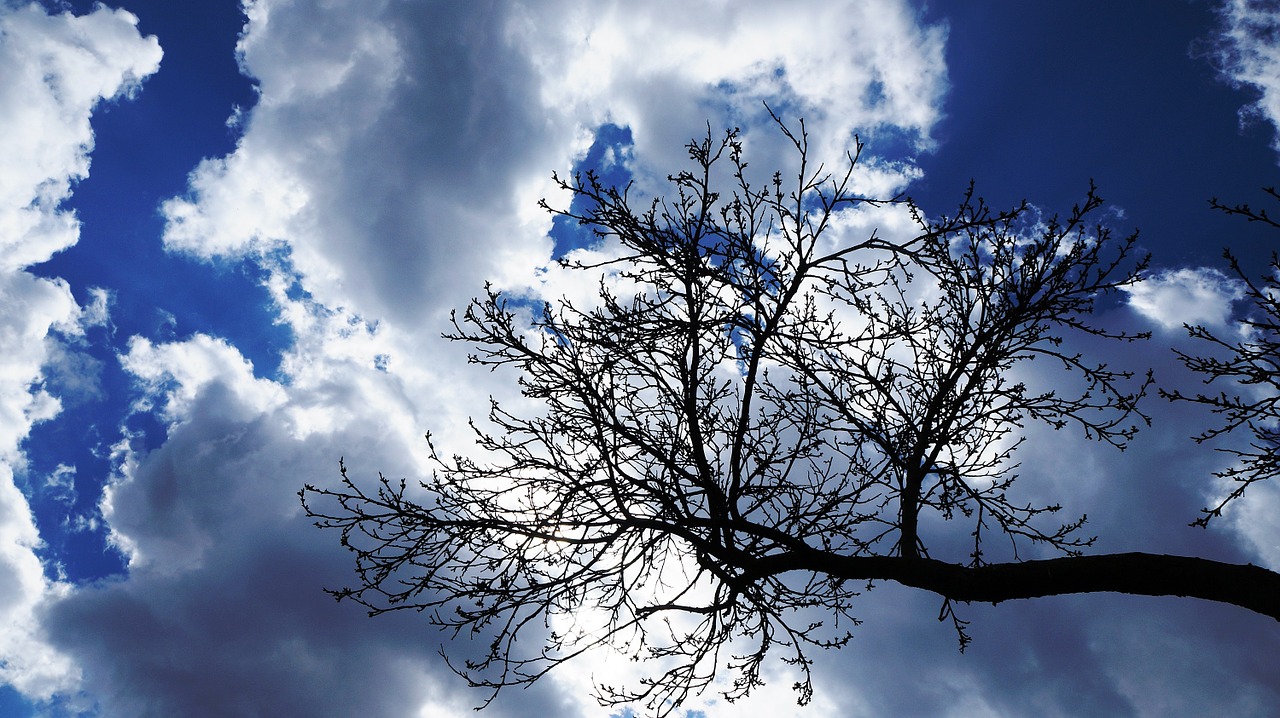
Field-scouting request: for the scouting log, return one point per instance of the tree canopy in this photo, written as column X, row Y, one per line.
column 759, row 415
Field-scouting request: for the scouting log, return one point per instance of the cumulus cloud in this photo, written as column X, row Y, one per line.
column 1199, row 296
column 176, row 371
column 222, row 613
column 1248, row 55
column 399, row 151
column 1257, row 518
column 844, row 67
column 57, row 68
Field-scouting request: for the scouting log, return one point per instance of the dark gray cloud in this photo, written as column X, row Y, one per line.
column 224, row 615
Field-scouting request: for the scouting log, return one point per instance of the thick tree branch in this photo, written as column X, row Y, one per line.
column 1141, row 574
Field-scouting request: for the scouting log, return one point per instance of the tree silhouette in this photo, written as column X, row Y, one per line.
column 1251, row 361
column 758, row 416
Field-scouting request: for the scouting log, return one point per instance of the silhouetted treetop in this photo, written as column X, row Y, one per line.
column 751, row 422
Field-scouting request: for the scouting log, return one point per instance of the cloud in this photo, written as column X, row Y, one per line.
column 1256, row 517
column 57, row 68
column 1248, row 55
column 222, row 611
column 69, row 372
column 1200, row 296
column 172, row 374
column 399, row 150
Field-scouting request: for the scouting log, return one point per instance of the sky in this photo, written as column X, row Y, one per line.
column 231, row 235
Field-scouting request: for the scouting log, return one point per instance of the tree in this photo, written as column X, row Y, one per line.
column 1253, row 362
column 757, row 419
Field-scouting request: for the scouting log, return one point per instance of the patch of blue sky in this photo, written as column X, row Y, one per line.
column 13, row 704
column 1139, row 112
column 68, row 461
column 10, row 700
column 172, row 298
column 144, row 150
column 892, row 142
column 609, row 158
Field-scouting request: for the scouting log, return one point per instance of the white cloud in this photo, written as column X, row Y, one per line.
column 400, row 151
column 98, row 312
column 173, row 374
column 62, row 483
column 1200, row 296
column 56, row 69
column 1256, row 517
column 27, row 661
column 1248, row 54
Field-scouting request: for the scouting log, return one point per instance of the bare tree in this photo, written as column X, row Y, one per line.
column 756, row 419
column 1252, row 362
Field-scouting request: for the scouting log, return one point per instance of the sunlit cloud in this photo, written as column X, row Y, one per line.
column 1193, row 296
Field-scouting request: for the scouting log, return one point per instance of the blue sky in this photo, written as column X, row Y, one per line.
column 233, row 234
